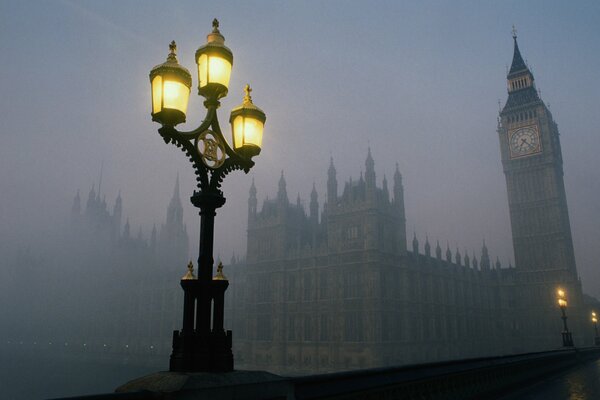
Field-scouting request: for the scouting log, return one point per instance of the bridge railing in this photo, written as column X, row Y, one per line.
column 461, row 379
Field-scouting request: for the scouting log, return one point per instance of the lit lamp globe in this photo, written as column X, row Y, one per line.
column 247, row 124
column 562, row 303
column 171, row 84
column 214, row 61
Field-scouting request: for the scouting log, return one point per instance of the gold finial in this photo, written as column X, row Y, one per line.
column 172, row 52
column 220, row 276
column 247, row 97
column 189, row 275
column 215, row 25
column 514, row 32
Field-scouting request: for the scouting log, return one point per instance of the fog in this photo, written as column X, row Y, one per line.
column 419, row 84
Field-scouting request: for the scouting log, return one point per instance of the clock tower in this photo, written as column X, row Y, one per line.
column 543, row 247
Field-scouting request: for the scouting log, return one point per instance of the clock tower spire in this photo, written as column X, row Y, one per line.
column 521, row 85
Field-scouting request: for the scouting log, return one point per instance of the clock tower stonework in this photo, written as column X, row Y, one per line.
column 543, row 247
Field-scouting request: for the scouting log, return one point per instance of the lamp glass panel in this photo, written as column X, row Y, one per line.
column 156, row 94
column 219, row 70
column 238, row 132
column 176, row 96
column 253, row 130
column 203, row 70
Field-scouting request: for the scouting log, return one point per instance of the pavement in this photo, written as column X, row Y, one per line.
column 581, row 382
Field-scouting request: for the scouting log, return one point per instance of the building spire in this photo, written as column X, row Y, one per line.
column 282, row 193
column 415, row 244
column 314, row 205
column 331, row 185
column 100, row 180
column 518, row 64
column 252, row 203
column 175, row 209
column 485, row 258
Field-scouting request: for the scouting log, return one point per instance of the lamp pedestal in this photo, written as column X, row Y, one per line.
column 567, row 338
column 203, row 345
column 195, row 349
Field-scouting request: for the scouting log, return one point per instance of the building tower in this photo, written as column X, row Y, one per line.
column 252, row 203
column 398, row 205
column 172, row 242
column 117, row 215
column 533, row 167
column 331, row 186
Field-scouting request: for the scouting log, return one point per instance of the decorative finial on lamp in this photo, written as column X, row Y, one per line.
column 172, row 52
column 220, row 276
column 215, row 25
column 189, row 275
column 247, row 97
column 514, row 32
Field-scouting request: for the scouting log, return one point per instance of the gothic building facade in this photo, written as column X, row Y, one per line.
column 339, row 289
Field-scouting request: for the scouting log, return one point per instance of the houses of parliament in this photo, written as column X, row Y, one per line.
column 337, row 288
column 340, row 286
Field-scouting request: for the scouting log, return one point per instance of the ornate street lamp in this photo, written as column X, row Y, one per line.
column 202, row 344
column 595, row 322
column 562, row 303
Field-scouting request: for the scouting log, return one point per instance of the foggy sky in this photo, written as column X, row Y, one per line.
column 418, row 82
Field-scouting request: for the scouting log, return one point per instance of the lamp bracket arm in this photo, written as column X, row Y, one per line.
column 171, row 135
column 217, row 130
column 211, row 115
column 208, row 178
column 231, row 164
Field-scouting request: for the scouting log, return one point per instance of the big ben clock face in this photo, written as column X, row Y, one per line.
column 524, row 141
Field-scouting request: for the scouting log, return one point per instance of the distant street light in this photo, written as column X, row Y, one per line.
column 595, row 322
column 562, row 303
column 202, row 344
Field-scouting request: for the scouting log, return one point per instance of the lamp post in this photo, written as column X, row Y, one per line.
column 595, row 322
column 562, row 303
column 202, row 344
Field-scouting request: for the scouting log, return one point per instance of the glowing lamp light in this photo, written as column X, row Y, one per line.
column 562, row 303
column 561, row 293
column 247, row 124
column 214, row 61
column 171, row 84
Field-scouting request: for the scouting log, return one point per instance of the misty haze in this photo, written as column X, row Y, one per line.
column 428, row 179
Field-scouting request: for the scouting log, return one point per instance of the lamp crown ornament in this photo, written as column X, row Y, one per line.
column 220, row 275
column 247, row 97
column 172, row 57
column 215, row 36
column 189, row 275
